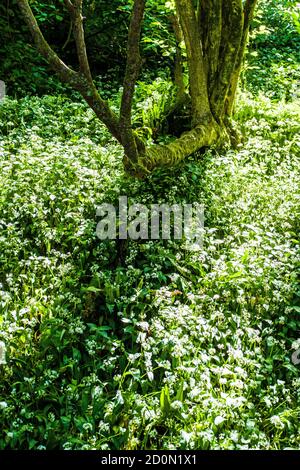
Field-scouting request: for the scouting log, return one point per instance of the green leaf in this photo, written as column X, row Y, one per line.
column 179, row 394
column 165, row 402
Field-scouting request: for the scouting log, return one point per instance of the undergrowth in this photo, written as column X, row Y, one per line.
column 146, row 345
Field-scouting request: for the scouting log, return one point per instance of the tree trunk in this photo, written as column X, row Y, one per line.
column 215, row 36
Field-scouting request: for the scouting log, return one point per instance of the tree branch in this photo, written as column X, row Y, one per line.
column 69, row 35
column 249, row 9
column 131, row 75
column 75, row 10
column 133, row 60
column 203, row 135
column 76, row 80
column 64, row 72
column 210, row 24
column 232, row 31
column 178, row 69
column 197, row 73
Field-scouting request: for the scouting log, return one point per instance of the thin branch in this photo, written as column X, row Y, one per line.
column 131, row 75
column 69, row 35
column 63, row 71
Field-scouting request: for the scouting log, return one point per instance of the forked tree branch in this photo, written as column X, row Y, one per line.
column 236, row 17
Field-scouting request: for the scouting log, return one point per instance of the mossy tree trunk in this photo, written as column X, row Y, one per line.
column 215, row 36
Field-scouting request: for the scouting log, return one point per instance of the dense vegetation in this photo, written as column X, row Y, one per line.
column 144, row 345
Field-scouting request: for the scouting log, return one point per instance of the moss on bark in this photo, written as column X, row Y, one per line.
column 206, row 134
column 215, row 37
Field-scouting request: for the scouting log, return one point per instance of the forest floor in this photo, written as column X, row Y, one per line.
column 147, row 345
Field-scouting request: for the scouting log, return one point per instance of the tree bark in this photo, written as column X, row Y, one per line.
column 231, row 37
column 248, row 13
column 178, row 69
column 197, row 75
column 210, row 24
column 75, row 10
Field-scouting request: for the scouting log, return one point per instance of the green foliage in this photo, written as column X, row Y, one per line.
column 22, row 68
column 155, row 347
